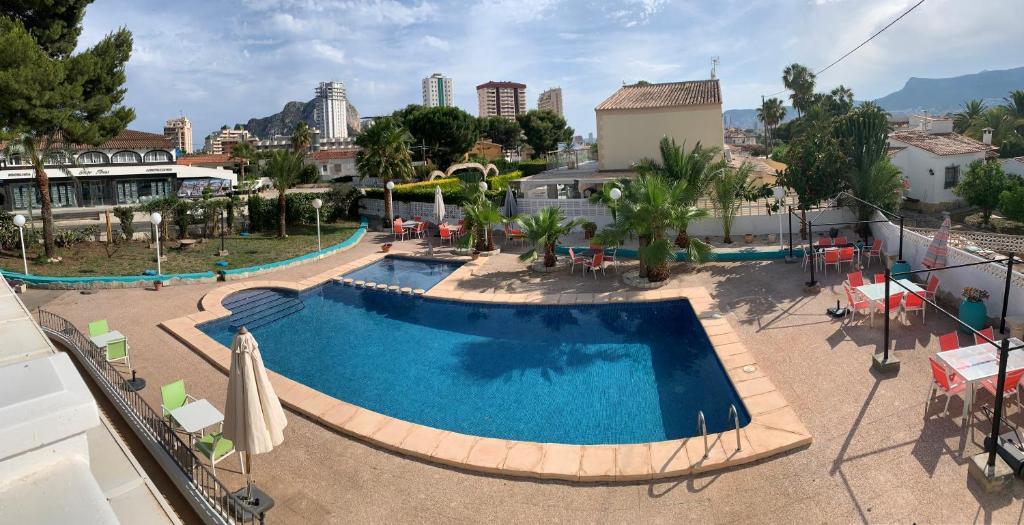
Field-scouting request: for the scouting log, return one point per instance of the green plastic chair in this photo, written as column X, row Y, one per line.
column 174, row 397
column 215, row 447
column 98, row 328
column 118, row 351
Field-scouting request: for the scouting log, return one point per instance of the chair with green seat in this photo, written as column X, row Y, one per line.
column 118, row 351
column 98, row 328
column 215, row 447
column 173, row 396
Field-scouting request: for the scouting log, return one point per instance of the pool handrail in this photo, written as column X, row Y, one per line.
column 735, row 416
column 702, row 427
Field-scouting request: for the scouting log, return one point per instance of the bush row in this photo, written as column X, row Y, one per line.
column 339, row 203
column 451, row 190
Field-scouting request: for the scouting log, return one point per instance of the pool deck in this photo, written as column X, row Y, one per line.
column 774, row 427
column 880, row 452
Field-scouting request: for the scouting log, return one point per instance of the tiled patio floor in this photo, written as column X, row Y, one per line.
column 877, row 455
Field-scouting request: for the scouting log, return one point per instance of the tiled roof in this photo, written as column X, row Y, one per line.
column 131, row 139
column 332, row 154
column 941, row 143
column 211, row 158
column 666, row 95
column 503, row 84
column 736, row 133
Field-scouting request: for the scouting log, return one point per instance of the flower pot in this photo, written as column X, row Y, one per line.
column 157, row 285
column 474, row 256
column 385, row 248
column 748, row 238
column 974, row 314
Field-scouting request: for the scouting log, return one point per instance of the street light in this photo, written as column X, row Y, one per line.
column 19, row 221
column 482, row 186
column 390, row 186
column 317, row 203
column 615, row 194
column 780, row 195
column 155, row 218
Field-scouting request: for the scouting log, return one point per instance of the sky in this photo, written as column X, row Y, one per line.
column 225, row 61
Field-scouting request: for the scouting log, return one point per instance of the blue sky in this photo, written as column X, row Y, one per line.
column 221, row 62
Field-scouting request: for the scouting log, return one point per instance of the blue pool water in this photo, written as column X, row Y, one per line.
column 594, row 374
column 401, row 271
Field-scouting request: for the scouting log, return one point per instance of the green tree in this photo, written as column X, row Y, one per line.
column 729, row 189
column 543, row 230
column 770, row 114
column 479, row 214
column 969, row 112
column 447, row 132
column 52, row 97
column 384, row 155
column 839, row 101
column 503, row 131
column 800, row 81
column 244, row 152
column 301, row 138
column 284, row 168
column 544, row 129
column 982, row 186
column 863, row 136
column 126, row 217
column 1011, row 202
column 815, row 166
column 604, row 196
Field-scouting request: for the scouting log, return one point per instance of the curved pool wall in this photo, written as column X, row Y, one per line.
column 585, row 374
column 719, row 256
column 130, row 281
column 405, row 271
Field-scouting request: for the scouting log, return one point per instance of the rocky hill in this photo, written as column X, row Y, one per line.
column 284, row 121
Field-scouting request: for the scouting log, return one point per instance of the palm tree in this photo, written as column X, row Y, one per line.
column 301, row 138
column 650, row 205
column 40, row 153
column 870, row 176
column 243, row 151
column 971, row 110
column 384, row 155
column 1015, row 107
column 479, row 215
column 999, row 119
column 800, row 80
column 770, row 114
column 693, row 170
column 840, row 99
column 604, row 196
column 284, row 168
column 728, row 190
column 543, row 230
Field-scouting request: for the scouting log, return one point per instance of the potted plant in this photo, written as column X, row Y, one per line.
column 748, row 238
column 157, row 284
column 386, row 247
column 589, row 228
column 972, row 308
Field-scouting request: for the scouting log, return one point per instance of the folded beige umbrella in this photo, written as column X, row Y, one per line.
column 253, row 418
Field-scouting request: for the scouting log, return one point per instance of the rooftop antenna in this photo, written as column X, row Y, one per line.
column 714, row 66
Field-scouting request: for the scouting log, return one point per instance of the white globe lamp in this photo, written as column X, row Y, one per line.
column 155, row 219
column 317, row 203
column 615, row 194
column 19, row 221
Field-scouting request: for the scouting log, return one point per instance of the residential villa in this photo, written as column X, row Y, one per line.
column 632, row 121
column 932, row 159
column 333, row 164
column 739, row 137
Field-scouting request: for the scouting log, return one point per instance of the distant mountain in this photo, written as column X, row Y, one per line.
column 934, row 95
column 946, row 95
column 284, row 121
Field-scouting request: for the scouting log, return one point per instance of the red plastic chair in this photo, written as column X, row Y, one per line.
column 875, row 251
column 831, row 257
column 846, row 256
column 950, row 341
column 860, row 304
column 933, row 288
column 446, row 234
column 879, row 278
column 575, row 259
column 855, row 279
column 823, row 243
column 421, row 229
column 840, row 240
column 894, row 305
column 1009, row 387
column 989, row 333
column 913, row 303
column 594, row 264
column 398, row 230
column 948, row 383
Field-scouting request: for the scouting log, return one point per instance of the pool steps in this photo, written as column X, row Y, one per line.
column 257, row 309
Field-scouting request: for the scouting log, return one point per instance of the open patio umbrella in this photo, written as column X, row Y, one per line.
column 253, row 418
column 939, row 248
column 511, row 206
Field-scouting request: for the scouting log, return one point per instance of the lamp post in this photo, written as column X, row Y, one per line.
column 223, row 217
column 482, row 186
column 780, row 195
column 390, row 186
column 154, row 219
column 317, row 203
column 19, row 221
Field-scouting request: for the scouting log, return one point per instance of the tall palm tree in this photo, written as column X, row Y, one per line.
column 840, row 100
column 1015, row 107
column 999, row 119
column 243, row 151
column 771, row 113
column 284, row 168
column 543, row 230
column 301, row 138
column 969, row 112
column 384, row 155
column 728, row 190
column 800, row 80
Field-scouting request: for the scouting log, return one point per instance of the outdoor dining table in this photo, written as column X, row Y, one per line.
column 196, row 416
column 977, row 362
column 410, row 224
column 875, row 292
column 103, row 340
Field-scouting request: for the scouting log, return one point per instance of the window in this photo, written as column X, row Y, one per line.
column 126, row 157
column 158, row 156
column 952, row 177
column 62, row 195
column 92, row 157
column 134, row 191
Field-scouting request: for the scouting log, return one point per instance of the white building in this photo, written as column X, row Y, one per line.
column 437, row 91
column 1014, row 166
column 333, row 164
column 551, row 100
column 222, row 140
column 332, row 110
column 932, row 159
column 738, row 137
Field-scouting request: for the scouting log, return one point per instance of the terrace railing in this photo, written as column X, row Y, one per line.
column 211, row 499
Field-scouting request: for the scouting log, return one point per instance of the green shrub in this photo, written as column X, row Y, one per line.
column 9, row 233
column 263, row 213
column 451, row 190
column 69, row 238
column 126, row 217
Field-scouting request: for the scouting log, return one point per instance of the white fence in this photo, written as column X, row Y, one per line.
column 991, row 277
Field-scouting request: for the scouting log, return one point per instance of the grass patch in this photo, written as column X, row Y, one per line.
column 132, row 258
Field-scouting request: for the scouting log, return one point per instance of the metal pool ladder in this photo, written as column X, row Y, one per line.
column 735, row 416
column 702, row 427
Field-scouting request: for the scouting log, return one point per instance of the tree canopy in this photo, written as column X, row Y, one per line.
column 982, row 186
column 501, row 130
column 544, row 129
column 447, row 133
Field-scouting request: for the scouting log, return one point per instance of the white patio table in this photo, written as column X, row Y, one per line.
column 103, row 340
column 194, row 417
column 978, row 362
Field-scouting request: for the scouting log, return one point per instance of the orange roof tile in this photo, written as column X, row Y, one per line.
column 332, row 154
column 665, row 95
column 218, row 158
column 941, row 143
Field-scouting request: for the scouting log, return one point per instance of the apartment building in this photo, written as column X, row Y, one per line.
column 501, row 99
column 222, row 140
column 551, row 100
column 332, row 110
column 437, row 91
column 179, row 130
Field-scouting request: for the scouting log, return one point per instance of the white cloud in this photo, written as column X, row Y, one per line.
column 436, row 43
column 329, row 52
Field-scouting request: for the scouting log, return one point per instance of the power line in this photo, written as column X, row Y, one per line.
column 862, row 44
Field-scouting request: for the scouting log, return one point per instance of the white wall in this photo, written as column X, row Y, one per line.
column 1014, row 166
column 914, row 163
column 991, row 277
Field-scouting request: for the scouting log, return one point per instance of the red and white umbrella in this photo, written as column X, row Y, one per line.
column 939, row 248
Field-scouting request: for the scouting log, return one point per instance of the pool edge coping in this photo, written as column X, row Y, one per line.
column 774, row 426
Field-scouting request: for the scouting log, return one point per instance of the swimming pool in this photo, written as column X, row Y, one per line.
column 587, row 374
column 405, row 272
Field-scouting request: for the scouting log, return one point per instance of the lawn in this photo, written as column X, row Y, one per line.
column 132, row 258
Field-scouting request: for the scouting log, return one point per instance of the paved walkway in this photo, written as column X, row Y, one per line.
column 877, row 455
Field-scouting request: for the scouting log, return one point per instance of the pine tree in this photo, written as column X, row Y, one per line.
column 53, row 98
